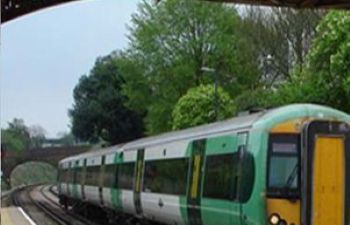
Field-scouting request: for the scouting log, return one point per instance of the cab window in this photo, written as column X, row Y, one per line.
column 284, row 166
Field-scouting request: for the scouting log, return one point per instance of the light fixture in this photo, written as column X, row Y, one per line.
column 274, row 219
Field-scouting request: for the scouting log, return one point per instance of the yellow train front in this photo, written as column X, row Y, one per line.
column 308, row 167
column 285, row 166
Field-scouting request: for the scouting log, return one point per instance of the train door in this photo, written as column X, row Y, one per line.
column 195, row 188
column 100, row 182
column 219, row 203
column 115, row 192
column 326, row 169
column 83, row 179
column 138, row 180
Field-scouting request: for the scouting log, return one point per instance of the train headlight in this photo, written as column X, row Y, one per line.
column 274, row 219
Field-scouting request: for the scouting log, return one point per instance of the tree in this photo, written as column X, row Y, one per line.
column 326, row 77
column 282, row 38
column 67, row 139
column 253, row 99
column 197, row 107
column 12, row 141
column 37, row 136
column 170, row 43
column 16, row 136
column 298, row 28
column 330, row 60
column 98, row 112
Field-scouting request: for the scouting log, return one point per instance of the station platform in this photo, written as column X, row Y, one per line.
column 15, row 216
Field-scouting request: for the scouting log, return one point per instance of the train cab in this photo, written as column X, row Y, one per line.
column 308, row 173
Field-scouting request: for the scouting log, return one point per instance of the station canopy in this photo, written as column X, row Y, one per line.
column 345, row 4
column 11, row 9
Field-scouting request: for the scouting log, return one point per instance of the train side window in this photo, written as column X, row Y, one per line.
column 75, row 174
column 126, row 175
column 166, row 176
column 79, row 176
column 88, row 175
column 92, row 175
column 70, row 175
column 68, row 172
column 221, row 172
column 109, row 175
column 61, row 175
column 96, row 177
column 64, row 175
column 75, row 171
column 67, row 175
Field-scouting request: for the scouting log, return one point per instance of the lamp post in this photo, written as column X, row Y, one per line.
column 216, row 80
column 268, row 76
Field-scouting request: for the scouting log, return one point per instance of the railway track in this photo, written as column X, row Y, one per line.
column 41, row 204
column 51, row 196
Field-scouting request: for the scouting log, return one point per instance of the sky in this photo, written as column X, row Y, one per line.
column 44, row 54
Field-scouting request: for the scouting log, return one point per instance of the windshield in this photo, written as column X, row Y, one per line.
column 281, row 172
column 283, row 168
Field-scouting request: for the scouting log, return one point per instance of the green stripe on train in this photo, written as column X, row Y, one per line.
column 75, row 186
column 115, row 192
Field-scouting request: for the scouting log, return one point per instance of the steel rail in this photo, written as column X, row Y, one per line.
column 17, row 201
column 53, row 202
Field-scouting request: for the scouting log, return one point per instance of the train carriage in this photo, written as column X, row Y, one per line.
column 289, row 165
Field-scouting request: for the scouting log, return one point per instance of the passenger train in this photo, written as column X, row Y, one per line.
column 283, row 166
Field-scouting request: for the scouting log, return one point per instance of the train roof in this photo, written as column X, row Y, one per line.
column 235, row 123
column 93, row 153
column 239, row 123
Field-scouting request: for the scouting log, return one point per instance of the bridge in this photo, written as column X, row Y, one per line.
column 51, row 155
column 11, row 9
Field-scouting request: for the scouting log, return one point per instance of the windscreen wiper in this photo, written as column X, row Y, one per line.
column 292, row 176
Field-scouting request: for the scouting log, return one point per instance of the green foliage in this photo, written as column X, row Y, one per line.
column 299, row 89
column 260, row 57
column 33, row 173
column 330, row 59
column 66, row 139
column 16, row 137
column 99, row 112
column 12, row 141
column 253, row 99
column 326, row 79
column 170, row 42
column 281, row 37
column 198, row 107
